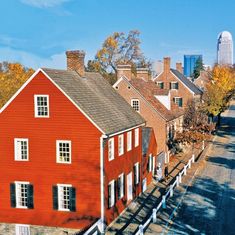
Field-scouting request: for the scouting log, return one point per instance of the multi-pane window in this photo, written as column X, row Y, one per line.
column 135, row 103
column 111, row 149
column 160, row 84
column 64, row 197
column 174, row 85
column 21, row 229
column 129, row 140
column 63, row 151
column 111, row 194
column 137, row 173
column 178, row 101
column 41, row 105
column 21, row 149
column 121, row 186
column 21, row 195
column 136, row 137
column 120, row 144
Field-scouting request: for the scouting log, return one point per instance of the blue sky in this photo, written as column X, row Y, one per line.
column 38, row 32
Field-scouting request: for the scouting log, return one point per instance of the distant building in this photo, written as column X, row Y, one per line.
column 190, row 63
column 225, row 48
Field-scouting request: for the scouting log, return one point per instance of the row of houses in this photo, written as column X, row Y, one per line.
column 76, row 151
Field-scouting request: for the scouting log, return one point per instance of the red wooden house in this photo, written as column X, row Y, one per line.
column 70, row 150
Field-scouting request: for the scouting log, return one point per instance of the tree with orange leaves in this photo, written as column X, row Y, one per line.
column 12, row 77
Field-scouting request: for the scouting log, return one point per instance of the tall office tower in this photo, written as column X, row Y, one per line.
column 225, row 48
column 190, row 63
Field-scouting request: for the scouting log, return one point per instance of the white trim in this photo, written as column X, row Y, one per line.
column 17, row 229
column 137, row 173
column 121, row 176
column 36, row 106
column 129, row 141
column 117, row 82
column 158, row 76
column 112, row 201
column 16, row 157
column 31, row 78
column 137, row 136
column 102, row 210
column 17, row 193
column 174, row 83
column 98, row 223
column 111, row 149
column 58, row 151
column 59, row 186
column 182, row 82
column 120, row 144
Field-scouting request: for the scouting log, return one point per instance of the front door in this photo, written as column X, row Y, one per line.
column 129, row 186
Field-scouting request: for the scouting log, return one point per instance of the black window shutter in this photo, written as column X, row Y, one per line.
column 170, row 85
column 135, row 175
column 174, row 99
column 13, row 194
column 177, row 86
column 181, row 102
column 119, row 187
column 115, row 192
column 148, row 165
column 30, row 196
column 109, row 195
column 124, row 184
column 55, row 197
column 162, row 85
column 72, row 202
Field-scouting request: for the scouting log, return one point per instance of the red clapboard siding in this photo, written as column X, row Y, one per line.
column 66, row 122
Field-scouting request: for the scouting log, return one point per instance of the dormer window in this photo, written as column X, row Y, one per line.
column 174, row 85
column 41, row 106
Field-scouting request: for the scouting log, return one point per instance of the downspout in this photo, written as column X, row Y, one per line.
column 102, row 209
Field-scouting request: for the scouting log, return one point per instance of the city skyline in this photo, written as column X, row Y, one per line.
column 85, row 25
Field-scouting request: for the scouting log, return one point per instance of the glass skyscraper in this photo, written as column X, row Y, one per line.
column 190, row 63
column 225, row 48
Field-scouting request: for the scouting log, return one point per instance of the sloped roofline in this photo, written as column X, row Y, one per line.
column 126, row 80
column 46, row 75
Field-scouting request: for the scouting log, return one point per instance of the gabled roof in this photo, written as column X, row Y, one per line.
column 186, row 82
column 148, row 90
column 97, row 99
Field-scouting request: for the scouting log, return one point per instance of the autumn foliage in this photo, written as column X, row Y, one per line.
column 12, row 77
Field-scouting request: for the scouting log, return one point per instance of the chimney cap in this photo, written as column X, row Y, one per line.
column 79, row 53
column 123, row 66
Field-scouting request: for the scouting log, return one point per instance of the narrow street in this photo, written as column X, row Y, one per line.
column 208, row 206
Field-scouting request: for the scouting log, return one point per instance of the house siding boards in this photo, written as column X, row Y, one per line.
column 66, row 123
column 152, row 117
column 117, row 166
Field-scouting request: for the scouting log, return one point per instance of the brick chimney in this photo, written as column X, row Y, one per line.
column 75, row 61
column 124, row 70
column 179, row 67
column 167, row 64
column 142, row 73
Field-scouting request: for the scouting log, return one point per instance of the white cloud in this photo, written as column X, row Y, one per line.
column 44, row 3
column 31, row 60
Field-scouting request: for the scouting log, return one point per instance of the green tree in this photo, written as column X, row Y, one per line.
column 198, row 68
column 12, row 77
column 118, row 48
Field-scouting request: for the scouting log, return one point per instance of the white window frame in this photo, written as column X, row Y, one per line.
column 136, row 107
column 150, row 163
column 137, row 172
column 137, row 137
column 112, row 183
column 121, row 176
column 58, row 151
column 111, row 149
column 120, row 145
column 61, row 197
column 174, row 84
column 19, row 227
column 36, row 107
column 178, row 98
column 18, row 193
column 18, row 152
column 129, row 140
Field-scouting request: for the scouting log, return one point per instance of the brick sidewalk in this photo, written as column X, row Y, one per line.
column 140, row 209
